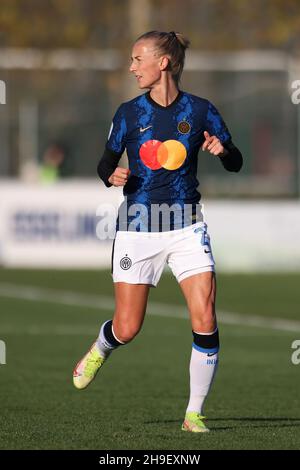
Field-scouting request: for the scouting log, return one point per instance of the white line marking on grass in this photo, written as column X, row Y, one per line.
column 74, row 299
column 59, row 330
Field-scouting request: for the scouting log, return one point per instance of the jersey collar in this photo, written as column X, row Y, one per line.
column 157, row 105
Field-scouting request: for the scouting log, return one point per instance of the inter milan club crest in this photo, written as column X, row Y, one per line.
column 125, row 262
column 184, row 127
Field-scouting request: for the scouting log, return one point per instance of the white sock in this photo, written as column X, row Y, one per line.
column 104, row 346
column 202, row 372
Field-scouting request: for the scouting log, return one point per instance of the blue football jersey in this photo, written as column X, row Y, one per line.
column 162, row 144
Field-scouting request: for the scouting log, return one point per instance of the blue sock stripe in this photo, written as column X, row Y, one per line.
column 208, row 342
column 109, row 336
column 204, row 350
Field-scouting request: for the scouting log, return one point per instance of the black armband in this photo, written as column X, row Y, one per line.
column 107, row 165
column 233, row 160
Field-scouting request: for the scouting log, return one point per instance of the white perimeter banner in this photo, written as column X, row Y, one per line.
column 56, row 226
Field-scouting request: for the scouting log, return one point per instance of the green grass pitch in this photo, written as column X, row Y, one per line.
column 139, row 397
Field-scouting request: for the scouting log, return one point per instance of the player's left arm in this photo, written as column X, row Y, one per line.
column 218, row 141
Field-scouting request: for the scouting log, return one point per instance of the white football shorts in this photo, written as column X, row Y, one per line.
column 140, row 257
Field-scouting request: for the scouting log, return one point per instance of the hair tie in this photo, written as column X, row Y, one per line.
column 173, row 34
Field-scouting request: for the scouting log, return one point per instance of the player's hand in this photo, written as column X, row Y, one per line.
column 119, row 177
column 213, row 145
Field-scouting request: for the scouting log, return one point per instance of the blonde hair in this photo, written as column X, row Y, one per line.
column 172, row 44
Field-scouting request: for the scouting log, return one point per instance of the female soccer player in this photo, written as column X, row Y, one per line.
column 160, row 220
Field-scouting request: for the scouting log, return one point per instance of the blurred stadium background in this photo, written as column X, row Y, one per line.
column 64, row 64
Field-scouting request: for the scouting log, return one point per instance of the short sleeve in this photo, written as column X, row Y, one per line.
column 215, row 124
column 116, row 140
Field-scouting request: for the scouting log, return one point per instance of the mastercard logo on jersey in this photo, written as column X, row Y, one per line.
column 169, row 154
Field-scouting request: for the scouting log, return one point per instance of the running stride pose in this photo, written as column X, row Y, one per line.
column 160, row 220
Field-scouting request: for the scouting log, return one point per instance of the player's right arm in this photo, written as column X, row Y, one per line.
column 119, row 177
column 109, row 172
column 108, row 169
